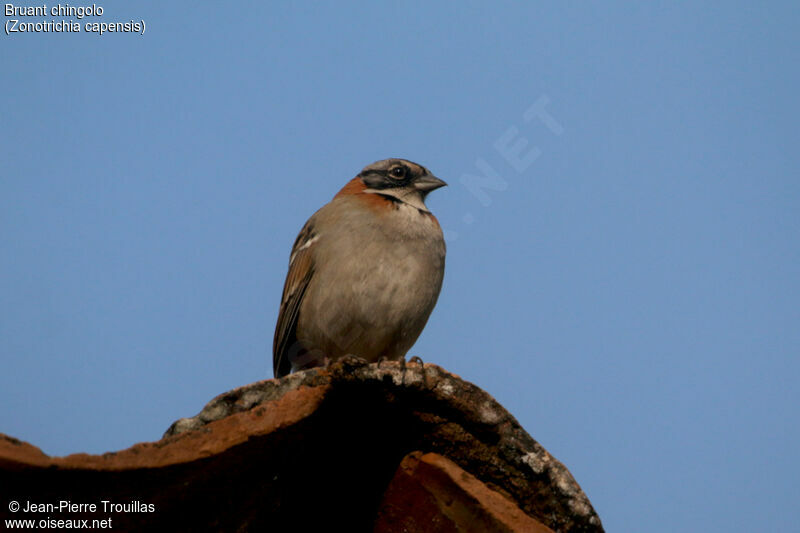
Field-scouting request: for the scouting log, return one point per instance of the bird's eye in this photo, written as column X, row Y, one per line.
column 399, row 172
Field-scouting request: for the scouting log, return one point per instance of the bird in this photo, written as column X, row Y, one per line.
column 364, row 272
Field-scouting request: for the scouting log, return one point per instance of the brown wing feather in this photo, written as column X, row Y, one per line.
column 301, row 269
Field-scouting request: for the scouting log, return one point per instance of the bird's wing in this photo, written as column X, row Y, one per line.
column 301, row 269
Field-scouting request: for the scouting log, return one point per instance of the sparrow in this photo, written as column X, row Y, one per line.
column 364, row 273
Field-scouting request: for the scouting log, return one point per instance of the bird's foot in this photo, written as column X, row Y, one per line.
column 416, row 360
column 383, row 359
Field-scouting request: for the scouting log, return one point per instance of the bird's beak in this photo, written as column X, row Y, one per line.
column 428, row 183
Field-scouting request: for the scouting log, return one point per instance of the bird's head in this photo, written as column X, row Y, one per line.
column 401, row 179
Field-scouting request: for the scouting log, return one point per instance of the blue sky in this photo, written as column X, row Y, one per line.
column 629, row 290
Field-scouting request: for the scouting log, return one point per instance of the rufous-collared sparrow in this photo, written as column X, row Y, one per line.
column 364, row 272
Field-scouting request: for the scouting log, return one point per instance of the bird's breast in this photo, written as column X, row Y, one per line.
column 375, row 280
